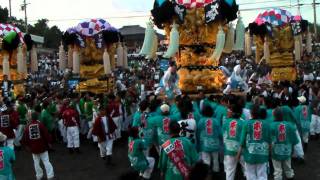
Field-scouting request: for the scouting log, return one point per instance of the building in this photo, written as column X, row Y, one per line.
column 134, row 36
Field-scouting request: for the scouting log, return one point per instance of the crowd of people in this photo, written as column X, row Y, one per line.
column 262, row 129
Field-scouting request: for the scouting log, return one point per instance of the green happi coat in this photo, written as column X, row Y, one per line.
column 283, row 138
column 255, row 140
column 232, row 129
column 136, row 156
column 302, row 114
column 220, row 113
column 146, row 131
column 161, row 124
column 209, row 133
column 190, row 158
column 22, row 110
column 47, row 120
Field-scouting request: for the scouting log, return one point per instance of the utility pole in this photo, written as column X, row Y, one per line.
column 24, row 8
column 10, row 9
column 315, row 19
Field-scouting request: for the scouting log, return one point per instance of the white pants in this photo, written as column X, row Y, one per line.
column 47, row 165
column 63, row 130
column 315, row 125
column 118, row 122
column 208, row 157
column 89, row 135
column 256, row 171
column 298, row 149
column 83, row 126
column 106, row 148
column 286, row 165
column 230, row 166
column 19, row 134
column 9, row 143
column 73, row 137
column 305, row 137
column 147, row 173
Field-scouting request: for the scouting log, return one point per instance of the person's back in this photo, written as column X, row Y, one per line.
column 283, row 137
column 7, row 157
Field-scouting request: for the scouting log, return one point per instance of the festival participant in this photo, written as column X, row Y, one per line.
column 8, row 123
column 178, row 155
column 283, row 138
column 288, row 115
column 138, row 160
column 114, row 111
column 161, row 123
column 315, row 118
column 61, row 126
column 95, row 112
column 237, row 79
column 7, row 158
column 232, row 129
column 140, row 121
column 255, row 140
column 209, row 133
column 22, row 110
column 221, row 109
column 6, row 87
column 72, row 122
column 303, row 115
column 105, row 129
column 168, row 83
column 46, row 118
column 88, row 110
column 37, row 138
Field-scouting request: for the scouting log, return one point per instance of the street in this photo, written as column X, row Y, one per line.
column 88, row 164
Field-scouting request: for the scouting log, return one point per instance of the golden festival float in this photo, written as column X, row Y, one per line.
column 198, row 33
column 94, row 50
column 14, row 47
column 278, row 37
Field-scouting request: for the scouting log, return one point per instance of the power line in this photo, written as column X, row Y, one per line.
column 148, row 15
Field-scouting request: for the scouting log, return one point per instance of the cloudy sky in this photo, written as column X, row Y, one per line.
column 68, row 13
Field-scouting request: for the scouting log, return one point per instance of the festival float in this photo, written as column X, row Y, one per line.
column 197, row 32
column 278, row 37
column 94, row 50
column 14, row 47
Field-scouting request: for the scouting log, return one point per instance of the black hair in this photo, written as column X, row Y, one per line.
column 207, row 111
column 174, row 128
column 278, row 115
column 154, row 104
column 199, row 171
column 134, row 132
column 255, row 112
column 143, row 105
column 262, row 113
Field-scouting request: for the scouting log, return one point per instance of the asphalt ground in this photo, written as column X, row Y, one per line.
column 89, row 166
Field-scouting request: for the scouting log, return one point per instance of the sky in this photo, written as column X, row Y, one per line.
column 68, row 13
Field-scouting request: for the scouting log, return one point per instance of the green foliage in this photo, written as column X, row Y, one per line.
column 52, row 35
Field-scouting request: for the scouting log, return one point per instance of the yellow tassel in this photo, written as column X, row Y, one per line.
column 34, row 59
column 309, row 42
column 119, row 55
column 266, row 49
column 20, row 60
column 125, row 57
column 106, row 62
column 229, row 40
column 76, row 62
column 248, row 44
column 62, row 58
column 6, row 66
column 297, row 48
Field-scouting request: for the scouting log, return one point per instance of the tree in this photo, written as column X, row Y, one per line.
column 4, row 15
column 52, row 37
column 40, row 27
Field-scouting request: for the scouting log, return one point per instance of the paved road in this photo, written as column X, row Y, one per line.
column 88, row 165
